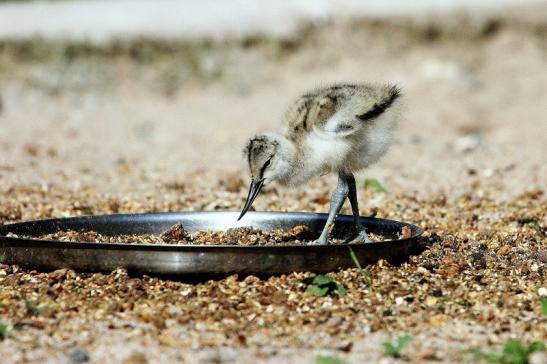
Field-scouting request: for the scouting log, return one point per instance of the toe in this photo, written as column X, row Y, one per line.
column 320, row 241
column 361, row 238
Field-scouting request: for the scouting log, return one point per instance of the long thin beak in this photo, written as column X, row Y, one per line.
column 254, row 189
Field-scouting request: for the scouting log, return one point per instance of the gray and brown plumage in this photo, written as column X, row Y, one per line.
column 342, row 128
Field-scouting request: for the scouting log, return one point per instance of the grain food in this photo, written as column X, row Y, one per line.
column 176, row 234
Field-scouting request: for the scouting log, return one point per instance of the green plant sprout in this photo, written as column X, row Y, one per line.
column 32, row 308
column 321, row 285
column 4, row 330
column 513, row 352
column 394, row 349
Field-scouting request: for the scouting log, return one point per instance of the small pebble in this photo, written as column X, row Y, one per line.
column 467, row 142
column 79, row 356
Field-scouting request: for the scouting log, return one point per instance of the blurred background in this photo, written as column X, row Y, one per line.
column 125, row 96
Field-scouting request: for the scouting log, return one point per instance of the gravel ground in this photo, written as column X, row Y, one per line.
column 475, row 286
column 117, row 131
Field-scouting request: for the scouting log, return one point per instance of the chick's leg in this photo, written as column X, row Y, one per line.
column 337, row 199
column 362, row 236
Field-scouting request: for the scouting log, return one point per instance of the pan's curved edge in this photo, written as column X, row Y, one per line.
column 177, row 260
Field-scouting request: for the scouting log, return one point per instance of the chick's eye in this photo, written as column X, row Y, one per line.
column 345, row 127
column 264, row 167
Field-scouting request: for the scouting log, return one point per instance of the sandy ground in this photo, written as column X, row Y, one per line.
column 472, row 108
column 153, row 133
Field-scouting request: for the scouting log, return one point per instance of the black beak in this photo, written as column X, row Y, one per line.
column 254, row 189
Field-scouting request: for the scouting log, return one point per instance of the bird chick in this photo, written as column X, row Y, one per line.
column 341, row 128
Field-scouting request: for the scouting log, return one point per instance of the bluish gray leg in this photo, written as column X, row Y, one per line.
column 337, row 199
column 362, row 236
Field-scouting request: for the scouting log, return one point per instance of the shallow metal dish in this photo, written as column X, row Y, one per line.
column 194, row 259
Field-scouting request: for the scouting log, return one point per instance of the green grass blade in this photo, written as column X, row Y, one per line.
column 365, row 273
column 543, row 302
column 374, row 184
column 328, row 359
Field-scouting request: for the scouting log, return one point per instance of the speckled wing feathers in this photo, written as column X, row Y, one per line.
column 313, row 109
column 387, row 97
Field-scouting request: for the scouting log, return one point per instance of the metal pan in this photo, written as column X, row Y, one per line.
column 195, row 260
